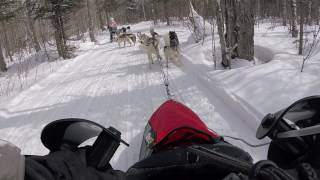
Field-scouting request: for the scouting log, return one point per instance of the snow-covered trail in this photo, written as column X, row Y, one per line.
column 115, row 87
column 226, row 114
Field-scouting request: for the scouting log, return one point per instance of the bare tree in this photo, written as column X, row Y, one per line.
column 99, row 12
column 312, row 49
column 3, row 66
column 30, row 7
column 301, row 4
column 166, row 11
column 143, row 10
column 284, row 12
column 246, row 32
column 220, row 23
column 6, row 40
column 8, row 11
column 232, row 28
column 318, row 13
column 294, row 30
column 90, row 23
column 309, row 12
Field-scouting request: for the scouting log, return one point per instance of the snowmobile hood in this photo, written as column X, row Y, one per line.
column 173, row 121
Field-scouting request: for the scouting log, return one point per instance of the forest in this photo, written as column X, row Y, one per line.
column 236, row 64
column 33, row 26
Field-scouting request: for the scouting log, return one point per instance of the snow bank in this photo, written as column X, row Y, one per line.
column 269, row 87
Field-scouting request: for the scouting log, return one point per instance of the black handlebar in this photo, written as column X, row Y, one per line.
column 262, row 170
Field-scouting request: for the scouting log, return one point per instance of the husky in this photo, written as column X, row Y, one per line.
column 150, row 46
column 124, row 38
column 171, row 48
column 132, row 37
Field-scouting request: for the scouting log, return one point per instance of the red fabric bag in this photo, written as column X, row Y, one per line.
column 174, row 124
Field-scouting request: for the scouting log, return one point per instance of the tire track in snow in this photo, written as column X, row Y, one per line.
column 45, row 114
column 238, row 119
column 138, row 104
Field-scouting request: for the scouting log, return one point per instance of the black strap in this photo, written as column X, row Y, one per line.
column 265, row 170
column 222, row 160
column 306, row 172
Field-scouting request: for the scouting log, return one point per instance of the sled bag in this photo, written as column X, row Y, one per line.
column 174, row 124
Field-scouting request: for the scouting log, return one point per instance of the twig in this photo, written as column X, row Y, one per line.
column 312, row 48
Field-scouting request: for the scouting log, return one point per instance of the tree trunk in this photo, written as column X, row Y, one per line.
column 90, row 25
column 57, row 22
column 318, row 19
column 231, row 26
column 246, row 36
column 284, row 11
column 309, row 12
column 33, row 34
column 6, row 41
column 107, row 15
column 166, row 13
column 58, row 39
column 301, row 28
column 143, row 10
column 31, row 27
column 153, row 12
column 259, row 13
column 220, row 24
column 294, row 30
column 301, row 36
column 3, row 66
column 99, row 15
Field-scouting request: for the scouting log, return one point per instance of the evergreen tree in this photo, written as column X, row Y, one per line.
column 59, row 11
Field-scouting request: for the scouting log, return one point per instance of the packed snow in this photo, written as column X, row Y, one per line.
column 115, row 87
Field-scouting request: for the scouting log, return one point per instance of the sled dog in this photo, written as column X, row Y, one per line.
column 171, row 48
column 124, row 38
column 150, row 46
column 132, row 37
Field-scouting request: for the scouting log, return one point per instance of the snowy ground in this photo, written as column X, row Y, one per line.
column 115, row 87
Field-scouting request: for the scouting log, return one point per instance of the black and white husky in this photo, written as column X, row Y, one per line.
column 171, row 48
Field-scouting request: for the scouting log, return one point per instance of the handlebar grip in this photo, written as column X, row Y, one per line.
column 103, row 149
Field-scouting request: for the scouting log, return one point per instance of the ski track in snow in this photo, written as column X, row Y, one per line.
column 115, row 87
